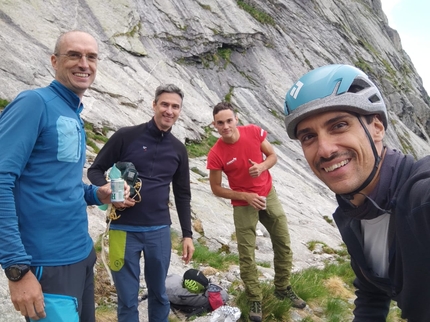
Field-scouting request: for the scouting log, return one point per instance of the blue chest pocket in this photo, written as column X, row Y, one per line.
column 69, row 139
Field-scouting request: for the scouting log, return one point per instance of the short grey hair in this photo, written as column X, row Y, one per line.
column 168, row 88
column 59, row 42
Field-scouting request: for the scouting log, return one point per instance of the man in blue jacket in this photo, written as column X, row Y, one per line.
column 339, row 117
column 44, row 235
column 161, row 160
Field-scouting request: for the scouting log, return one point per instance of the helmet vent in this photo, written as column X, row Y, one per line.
column 374, row 98
column 358, row 85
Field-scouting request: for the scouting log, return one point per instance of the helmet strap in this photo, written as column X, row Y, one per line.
column 350, row 196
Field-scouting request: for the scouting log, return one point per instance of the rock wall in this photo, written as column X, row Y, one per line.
column 250, row 52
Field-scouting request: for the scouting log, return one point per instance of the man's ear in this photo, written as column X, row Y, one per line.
column 379, row 129
column 54, row 61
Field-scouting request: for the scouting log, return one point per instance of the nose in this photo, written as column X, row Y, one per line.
column 225, row 125
column 326, row 146
column 83, row 61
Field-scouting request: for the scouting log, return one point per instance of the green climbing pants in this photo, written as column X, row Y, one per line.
column 274, row 220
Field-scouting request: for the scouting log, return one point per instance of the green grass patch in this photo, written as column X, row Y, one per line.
column 201, row 148
column 257, row 14
column 205, row 6
column 3, row 104
column 228, row 96
column 223, row 55
column 327, row 219
column 203, row 256
column 93, row 138
column 360, row 63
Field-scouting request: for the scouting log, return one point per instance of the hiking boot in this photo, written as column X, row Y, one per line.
column 288, row 293
column 255, row 312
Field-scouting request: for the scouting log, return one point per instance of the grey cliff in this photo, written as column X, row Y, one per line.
column 249, row 52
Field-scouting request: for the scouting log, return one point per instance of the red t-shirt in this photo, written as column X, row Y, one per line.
column 233, row 160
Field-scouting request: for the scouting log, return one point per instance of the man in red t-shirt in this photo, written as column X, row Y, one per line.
column 245, row 156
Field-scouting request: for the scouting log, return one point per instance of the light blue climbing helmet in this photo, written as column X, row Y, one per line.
column 330, row 88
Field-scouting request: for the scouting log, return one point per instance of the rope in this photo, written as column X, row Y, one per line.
column 105, row 245
column 112, row 215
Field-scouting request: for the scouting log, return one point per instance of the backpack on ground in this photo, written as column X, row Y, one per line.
column 194, row 304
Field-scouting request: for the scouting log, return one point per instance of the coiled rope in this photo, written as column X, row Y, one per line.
column 112, row 215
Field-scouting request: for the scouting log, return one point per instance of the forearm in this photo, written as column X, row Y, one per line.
column 184, row 214
column 270, row 161
column 12, row 250
column 229, row 194
column 90, row 195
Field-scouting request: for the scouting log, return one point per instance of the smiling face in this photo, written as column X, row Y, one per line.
column 337, row 149
column 166, row 110
column 225, row 121
column 76, row 74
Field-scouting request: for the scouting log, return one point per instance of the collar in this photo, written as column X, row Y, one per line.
column 155, row 131
column 66, row 94
column 381, row 195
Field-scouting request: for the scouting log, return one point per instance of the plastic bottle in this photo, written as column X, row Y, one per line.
column 114, row 173
column 117, row 184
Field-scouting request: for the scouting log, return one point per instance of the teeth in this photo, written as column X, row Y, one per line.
column 81, row 75
column 336, row 166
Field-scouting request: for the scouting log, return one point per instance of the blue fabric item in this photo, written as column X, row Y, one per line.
column 60, row 308
column 75, row 280
column 156, row 247
column 43, row 216
column 136, row 229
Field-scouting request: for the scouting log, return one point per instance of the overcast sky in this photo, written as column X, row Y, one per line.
column 411, row 18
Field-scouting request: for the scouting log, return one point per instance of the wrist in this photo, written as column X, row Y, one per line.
column 16, row 272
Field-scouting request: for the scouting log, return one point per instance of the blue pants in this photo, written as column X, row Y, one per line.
column 156, row 247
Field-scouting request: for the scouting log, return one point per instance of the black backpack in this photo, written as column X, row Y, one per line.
column 193, row 304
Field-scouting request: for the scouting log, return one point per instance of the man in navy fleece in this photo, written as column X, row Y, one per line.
column 43, row 218
column 160, row 160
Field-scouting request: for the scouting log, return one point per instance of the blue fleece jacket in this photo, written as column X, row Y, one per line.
column 43, row 218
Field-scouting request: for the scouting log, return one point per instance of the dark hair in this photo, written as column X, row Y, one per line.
column 368, row 118
column 168, row 88
column 223, row 106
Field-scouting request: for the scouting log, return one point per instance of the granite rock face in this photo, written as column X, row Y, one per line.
column 249, row 52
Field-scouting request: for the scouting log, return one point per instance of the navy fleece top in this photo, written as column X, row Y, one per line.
column 160, row 159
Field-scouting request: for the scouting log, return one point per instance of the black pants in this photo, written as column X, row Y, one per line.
column 76, row 280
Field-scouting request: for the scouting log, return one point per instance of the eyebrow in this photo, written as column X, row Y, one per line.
column 330, row 121
column 79, row 52
column 227, row 120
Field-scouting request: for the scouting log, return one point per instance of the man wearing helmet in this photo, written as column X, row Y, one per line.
column 340, row 118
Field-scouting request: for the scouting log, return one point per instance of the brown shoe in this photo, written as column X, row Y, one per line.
column 288, row 293
column 255, row 312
